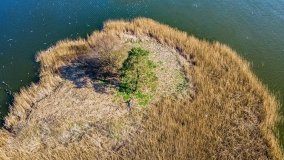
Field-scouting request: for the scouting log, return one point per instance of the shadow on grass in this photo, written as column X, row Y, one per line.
column 81, row 72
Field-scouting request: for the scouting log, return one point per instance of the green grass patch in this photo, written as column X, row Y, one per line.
column 181, row 81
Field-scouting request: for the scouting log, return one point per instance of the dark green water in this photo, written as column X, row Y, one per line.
column 254, row 28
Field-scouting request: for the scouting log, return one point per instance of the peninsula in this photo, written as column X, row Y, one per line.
column 142, row 90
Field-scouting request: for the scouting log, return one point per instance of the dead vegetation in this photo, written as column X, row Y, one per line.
column 231, row 115
column 107, row 53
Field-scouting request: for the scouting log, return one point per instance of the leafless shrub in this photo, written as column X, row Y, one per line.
column 106, row 55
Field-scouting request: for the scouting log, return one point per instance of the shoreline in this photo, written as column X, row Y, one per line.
column 263, row 108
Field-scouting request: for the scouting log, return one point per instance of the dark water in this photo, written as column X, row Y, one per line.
column 254, row 28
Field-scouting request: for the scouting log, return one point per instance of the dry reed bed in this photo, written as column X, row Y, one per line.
column 240, row 112
column 50, row 61
column 233, row 116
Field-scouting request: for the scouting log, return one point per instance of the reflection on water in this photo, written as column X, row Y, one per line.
column 253, row 28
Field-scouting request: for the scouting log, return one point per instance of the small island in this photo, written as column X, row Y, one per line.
column 142, row 90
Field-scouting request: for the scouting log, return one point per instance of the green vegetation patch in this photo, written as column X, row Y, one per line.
column 138, row 79
column 181, row 81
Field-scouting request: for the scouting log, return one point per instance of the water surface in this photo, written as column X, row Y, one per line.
column 253, row 28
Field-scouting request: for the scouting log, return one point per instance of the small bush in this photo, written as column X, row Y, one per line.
column 106, row 55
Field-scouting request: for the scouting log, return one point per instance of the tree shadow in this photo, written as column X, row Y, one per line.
column 81, row 72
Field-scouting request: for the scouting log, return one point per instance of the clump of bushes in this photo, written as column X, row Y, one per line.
column 106, row 57
column 138, row 79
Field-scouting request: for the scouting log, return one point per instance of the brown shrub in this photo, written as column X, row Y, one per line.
column 106, row 55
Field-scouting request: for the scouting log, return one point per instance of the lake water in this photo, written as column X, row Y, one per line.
column 255, row 29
